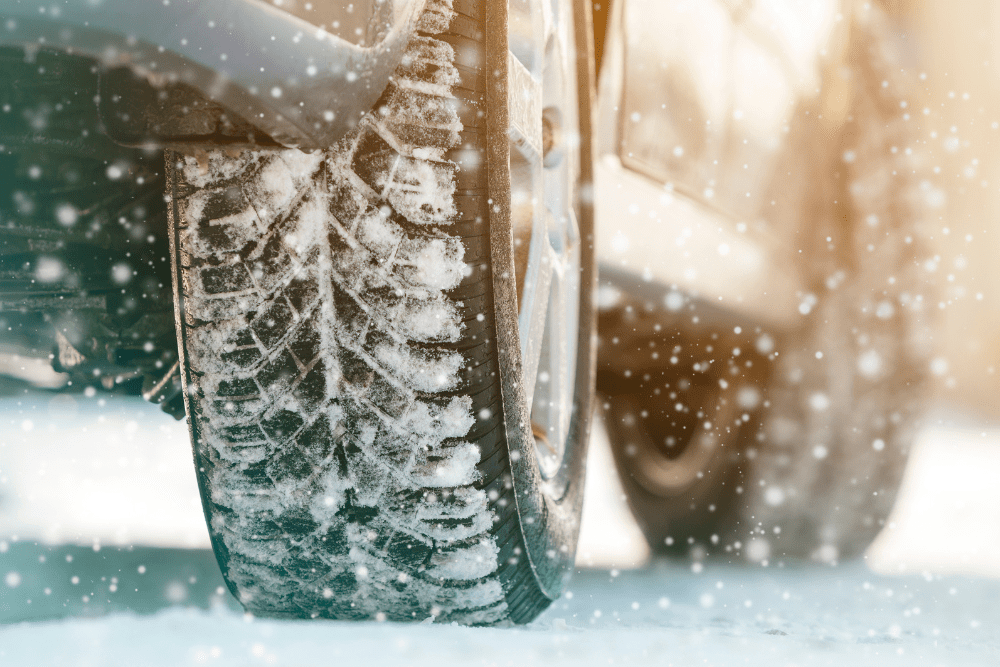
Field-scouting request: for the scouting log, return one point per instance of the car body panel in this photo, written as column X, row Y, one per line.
column 697, row 107
column 689, row 243
column 302, row 84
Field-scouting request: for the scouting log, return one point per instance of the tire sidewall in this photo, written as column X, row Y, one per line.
column 549, row 509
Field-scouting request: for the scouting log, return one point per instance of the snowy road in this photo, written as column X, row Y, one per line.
column 662, row 615
column 103, row 562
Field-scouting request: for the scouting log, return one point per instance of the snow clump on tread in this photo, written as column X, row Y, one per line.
column 317, row 321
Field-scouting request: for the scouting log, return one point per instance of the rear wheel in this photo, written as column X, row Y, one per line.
column 677, row 481
column 813, row 473
column 387, row 344
column 850, row 384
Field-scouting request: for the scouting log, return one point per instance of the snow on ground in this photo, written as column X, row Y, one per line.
column 947, row 516
column 662, row 615
column 104, row 561
column 102, row 469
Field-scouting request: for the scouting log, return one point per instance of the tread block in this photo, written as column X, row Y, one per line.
column 223, row 202
column 302, row 292
column 369, row 480
column 387, row 398
column 422, row 135
column 378, row 234
column 278, row 372
column 423, row 64
column 305, row 565
column 243, row 358
column 467, row 27
column 236, row 387
column 257, row 478
column 241, row 338
column 355, row 370
column 224, row 279
column 346, row 203
column 341, row 243
column 413, row 190
column 248, row 434
column 288, row 464
column 408, row 551
column 311, row 391
column 270, row 189
column 282, row 425
column 374, row 160
column 305, row 345
column 220, row 209
column 272, row 324
column 237, row 409
column 352, row 317
column 422, row 109
column 273, row 263
column 317, row 440
column 470, row 8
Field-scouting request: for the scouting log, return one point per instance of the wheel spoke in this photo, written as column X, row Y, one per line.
column 564, row 309
column 552, row 403
column 535, row 299
column 524, row 97
column 544, row 166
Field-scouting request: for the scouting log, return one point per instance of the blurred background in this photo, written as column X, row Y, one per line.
column 939, row 61
column 958, row 49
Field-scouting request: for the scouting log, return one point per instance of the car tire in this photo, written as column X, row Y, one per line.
column 348, row 330
column 815, row 472
column 850, row 384
column 675, row 500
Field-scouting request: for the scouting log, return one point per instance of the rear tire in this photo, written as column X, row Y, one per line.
column 815, row 472
column 681, row 410
column 345, row 365
column 850, row 385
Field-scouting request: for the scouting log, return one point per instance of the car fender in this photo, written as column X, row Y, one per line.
column 298, row 83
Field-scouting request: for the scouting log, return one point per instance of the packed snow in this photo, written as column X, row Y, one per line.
column 664, row 615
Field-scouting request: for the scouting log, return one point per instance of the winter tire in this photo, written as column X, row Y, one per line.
column 361, row 328
column 808, row 468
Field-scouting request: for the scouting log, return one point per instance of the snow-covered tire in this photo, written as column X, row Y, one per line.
column 344, row 329
column 844, row 389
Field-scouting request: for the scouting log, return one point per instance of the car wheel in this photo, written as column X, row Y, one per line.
column 850, row 384
column 387, row 344
column 813, row 470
